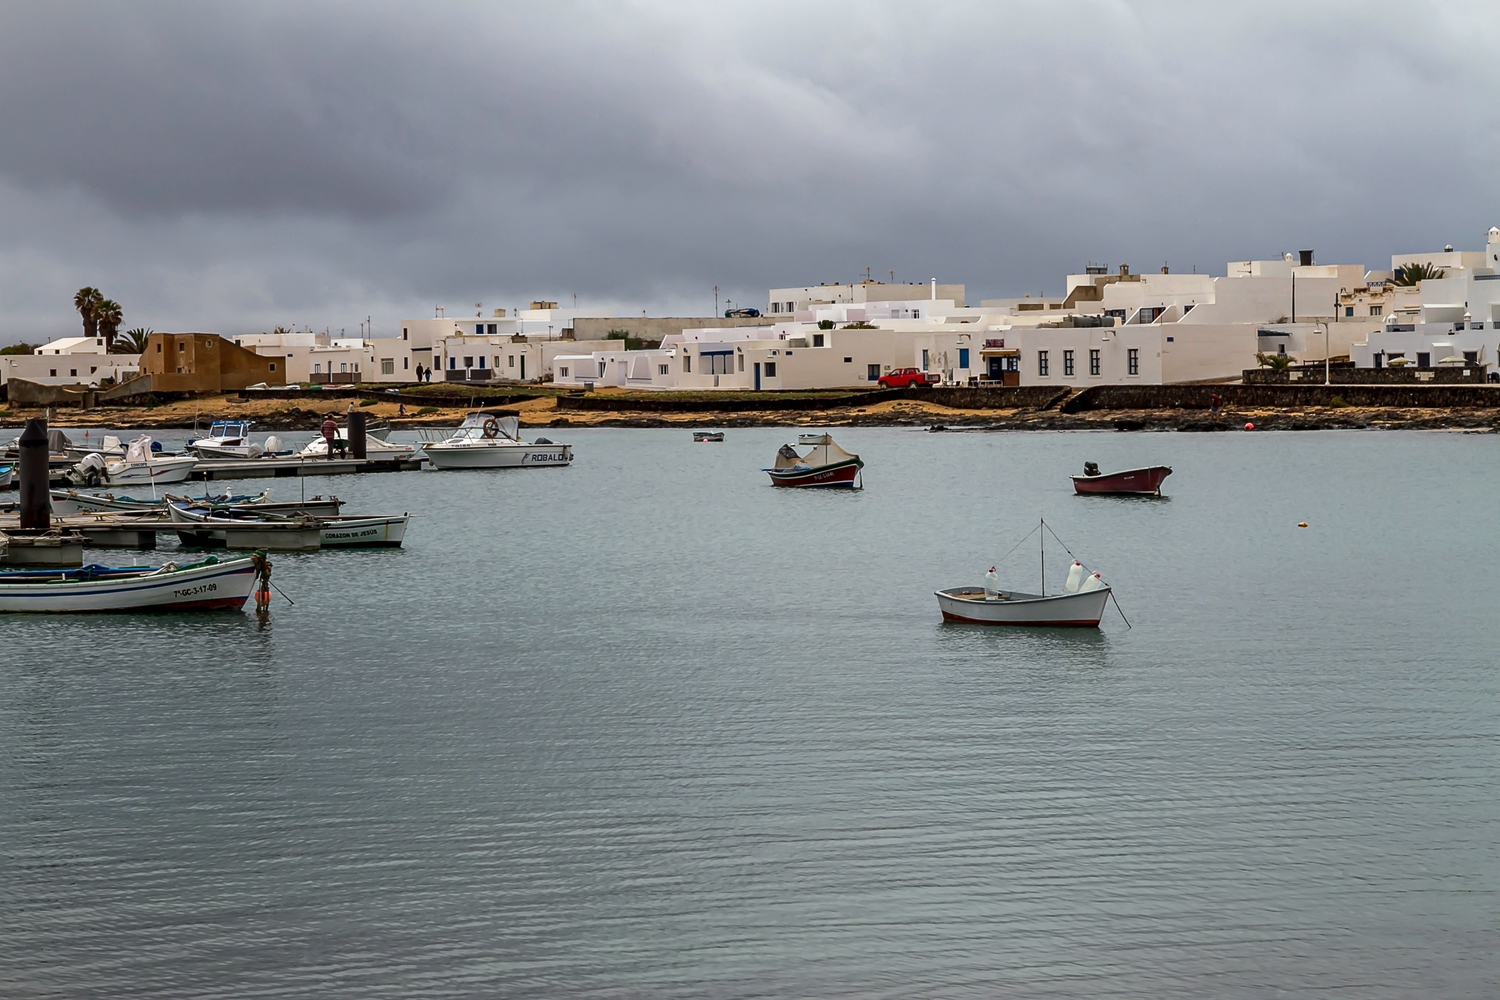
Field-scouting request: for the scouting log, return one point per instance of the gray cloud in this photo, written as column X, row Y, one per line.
column 227, row 166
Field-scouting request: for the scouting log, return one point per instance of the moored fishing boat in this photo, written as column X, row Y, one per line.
column 703, row 436
column 78, row 502
column 209, row 527
column 488, row 440
column 226, row 439
column 824, row 464
column 1080, row 604
column 212, row 584
column 140, row 465
column 1131, row 482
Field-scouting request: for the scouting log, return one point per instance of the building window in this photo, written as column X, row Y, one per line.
column 318, row 368
column 387, row 366
column 687, row 363
column 1375, row 310
column 1133, row 361
column 770, row 369
column 1348, row 310
column 238, row 342
column 872, row 372
column 1471, row 357
column 1094, row 361
column 483, row 362
column 1042, row 366
column 73, row 372
column 403, row 333
column 406, row 364
column 817, row 340
column 563, row 371
column 742, row 361
column 468, row 362
column 490, row 329
column 452, row 364
column 158, row 348
column 1067, row 362
column 54, row 372
column 848, row 361
column 660, row 370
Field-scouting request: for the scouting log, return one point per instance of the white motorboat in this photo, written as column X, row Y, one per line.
column 139, row 465
column 488, row 440
column 213, row 584
column 1080, row 604
column 227, row 439
column 375, row 448
column 335, row 532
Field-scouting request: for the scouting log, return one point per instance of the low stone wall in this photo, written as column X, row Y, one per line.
column 1348, row 375
column 995, row 398
column 1196, row 397
column 24, row 392
column 314, row 396
column 671, row 402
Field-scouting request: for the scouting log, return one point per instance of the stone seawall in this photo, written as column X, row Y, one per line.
column 704, row 402
column 1196, row 397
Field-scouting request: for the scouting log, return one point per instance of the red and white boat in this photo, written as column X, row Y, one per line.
column 824, row 464
column 1131, row 482
column 1080, row 603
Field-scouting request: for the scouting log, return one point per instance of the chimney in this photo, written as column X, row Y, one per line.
column 1306, row 257
column 934, row 289
column 1124, row 270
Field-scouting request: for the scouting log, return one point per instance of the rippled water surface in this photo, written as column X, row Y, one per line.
column 647, row 727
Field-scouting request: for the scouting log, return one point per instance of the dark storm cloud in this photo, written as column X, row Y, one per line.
column 229, row 165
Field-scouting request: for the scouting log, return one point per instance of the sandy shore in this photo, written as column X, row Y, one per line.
column 285, row 415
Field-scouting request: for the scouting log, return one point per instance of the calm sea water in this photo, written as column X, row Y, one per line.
column 646, row 727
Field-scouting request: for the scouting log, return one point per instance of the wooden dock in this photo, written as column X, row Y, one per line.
column 276, row 468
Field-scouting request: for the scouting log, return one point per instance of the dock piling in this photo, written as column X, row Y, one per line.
column 35, row 475
column 357, row 433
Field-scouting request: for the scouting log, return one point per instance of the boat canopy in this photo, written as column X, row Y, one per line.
column 505, row 425
column 823, row 452
column 139, row 449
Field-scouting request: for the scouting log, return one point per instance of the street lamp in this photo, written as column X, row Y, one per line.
column 1326, row 380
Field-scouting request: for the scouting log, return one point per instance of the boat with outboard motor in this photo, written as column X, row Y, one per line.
column 227, row 439
column 213, row 584
column 491, row 440
column 1131, row 482
column 824, row 464
column 78, row 502
column 1080, row 604
column 142, row 463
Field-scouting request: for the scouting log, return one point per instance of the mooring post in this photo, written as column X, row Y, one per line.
column 35, row 471
column 357, row 433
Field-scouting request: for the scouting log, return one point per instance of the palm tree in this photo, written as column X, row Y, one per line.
column 109, row 320
column 1276, row 362
column 1408, row 275
column 132, row 341
column 87, row 303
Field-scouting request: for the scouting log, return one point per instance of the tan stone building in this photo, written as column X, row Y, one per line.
column 204, row 362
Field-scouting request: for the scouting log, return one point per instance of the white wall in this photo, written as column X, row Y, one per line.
column 69, row 369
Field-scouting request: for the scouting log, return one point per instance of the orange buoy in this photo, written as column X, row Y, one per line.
column 1301, row 524
column 1249, row 427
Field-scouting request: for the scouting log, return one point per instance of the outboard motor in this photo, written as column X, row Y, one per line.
column 1090, row 468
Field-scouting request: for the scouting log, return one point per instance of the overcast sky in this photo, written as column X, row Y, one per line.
column 230, row 166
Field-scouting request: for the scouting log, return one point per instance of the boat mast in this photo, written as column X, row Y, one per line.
column 1042, row 537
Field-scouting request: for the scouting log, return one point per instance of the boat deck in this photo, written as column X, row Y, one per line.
column 977, row 594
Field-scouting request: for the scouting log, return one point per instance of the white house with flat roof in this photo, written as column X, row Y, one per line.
column 70, row 361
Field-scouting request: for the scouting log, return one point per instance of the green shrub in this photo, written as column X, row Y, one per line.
column 426, row 410
column 861, row 325
column 368, row 402
column 1338, row 402
column 825, row 324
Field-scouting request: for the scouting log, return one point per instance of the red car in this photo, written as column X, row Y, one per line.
column 902, row 378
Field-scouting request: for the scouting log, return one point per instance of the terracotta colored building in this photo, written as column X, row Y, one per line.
column 204, row 362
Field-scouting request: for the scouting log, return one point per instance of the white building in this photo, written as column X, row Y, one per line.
column 70, row 361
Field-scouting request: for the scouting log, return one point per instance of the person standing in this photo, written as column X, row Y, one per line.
column 419, row 373
column 330, row 431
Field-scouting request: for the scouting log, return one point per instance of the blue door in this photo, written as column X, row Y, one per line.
column 963, row 357
column 757, row 375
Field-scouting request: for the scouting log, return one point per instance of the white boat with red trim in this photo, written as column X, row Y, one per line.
column 1080, row 604
column 824, row 464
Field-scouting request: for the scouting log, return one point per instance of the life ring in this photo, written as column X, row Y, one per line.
column 491, row 427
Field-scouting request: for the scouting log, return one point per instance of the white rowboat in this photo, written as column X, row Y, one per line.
column 210, row 585
column 969, row 604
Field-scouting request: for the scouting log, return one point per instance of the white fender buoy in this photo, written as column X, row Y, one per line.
column 1076, row 573
column 991, row 584
column 1092, row 583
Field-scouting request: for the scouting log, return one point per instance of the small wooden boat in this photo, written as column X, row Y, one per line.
column 708, row 436
column 825, row 464
column 214, row 527
column 78, row 502
column 1080, row 604
column 1131, row 482
column 213, row 584
column 7, row 474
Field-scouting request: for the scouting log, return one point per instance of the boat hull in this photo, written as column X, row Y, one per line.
column 159, row 470
column 223, row 586
column 526, row 456
column 1131, row 482
column 841, row 475
column 969, row 605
